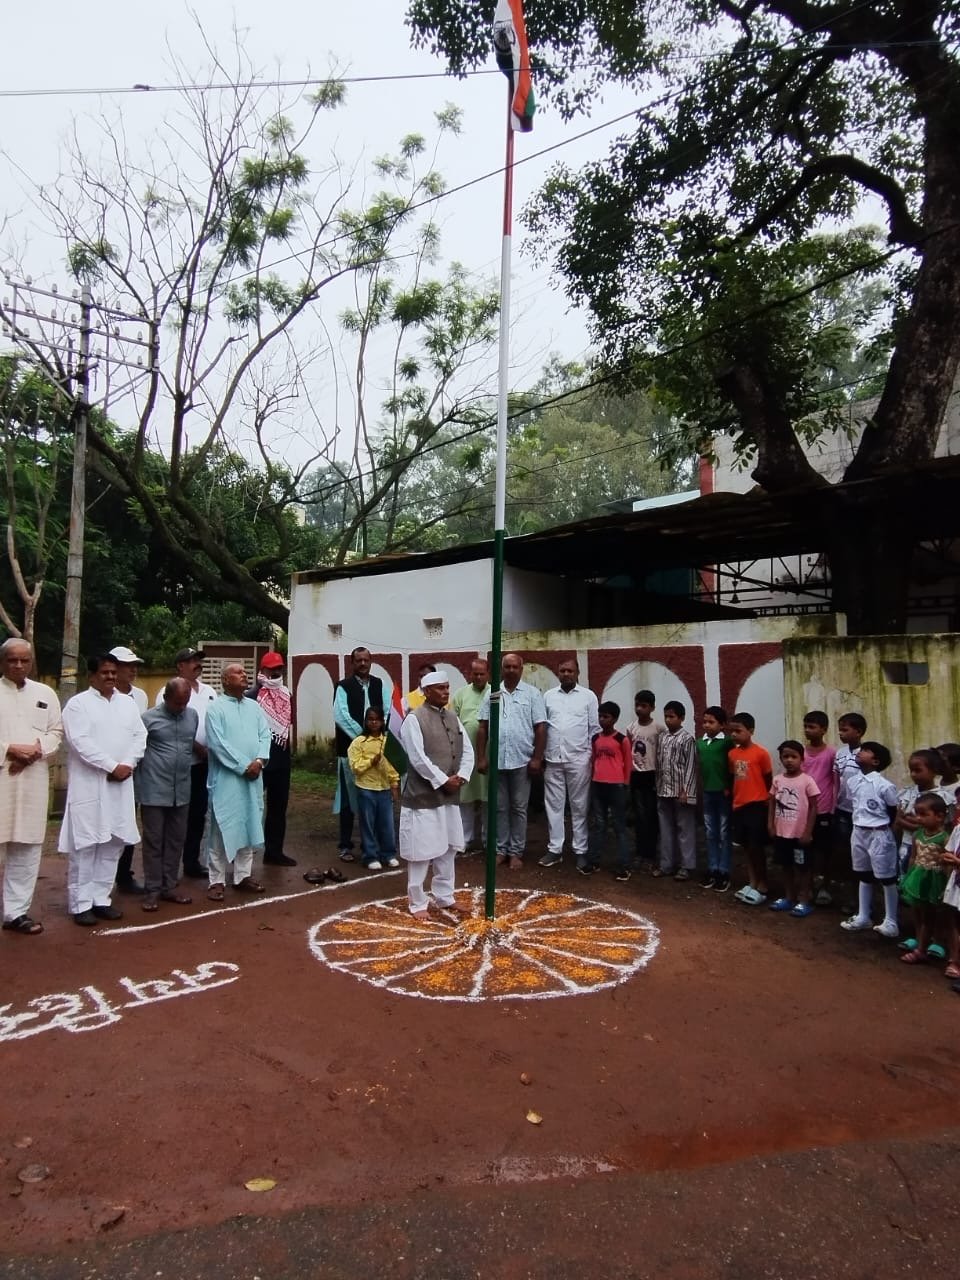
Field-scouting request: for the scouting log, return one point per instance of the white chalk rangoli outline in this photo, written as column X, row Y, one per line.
column 515, row 941
column 89, row 1009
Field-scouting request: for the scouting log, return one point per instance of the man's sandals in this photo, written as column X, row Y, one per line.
column 23, row 924
column 246, row 885
column 330, row 876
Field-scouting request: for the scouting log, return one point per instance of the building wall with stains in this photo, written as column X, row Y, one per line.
column 907, row 687
column 442, row 615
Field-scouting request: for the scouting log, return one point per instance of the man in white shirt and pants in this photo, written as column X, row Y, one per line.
column 105, row 741
column 572, row 724
column 30, row 735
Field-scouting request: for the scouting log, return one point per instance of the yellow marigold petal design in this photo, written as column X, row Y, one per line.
column 541, row 945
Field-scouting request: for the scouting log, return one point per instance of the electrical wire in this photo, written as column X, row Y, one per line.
column 221, row 86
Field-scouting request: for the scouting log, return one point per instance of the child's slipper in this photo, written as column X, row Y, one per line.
column 914, row 957
column 908, row 944
column 801, row 910
column 781, row 904
column 936, row 951
column 952, row 971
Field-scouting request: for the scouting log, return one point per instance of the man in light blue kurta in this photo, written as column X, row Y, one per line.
column 238, row 743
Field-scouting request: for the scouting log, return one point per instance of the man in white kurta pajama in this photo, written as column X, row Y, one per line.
column 105, row 741
column 238, row 747
column 440, row 760
column 30, row 735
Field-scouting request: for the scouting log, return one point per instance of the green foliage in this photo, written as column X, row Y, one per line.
column 331, row 93
column 711, row 243
column 86, row 259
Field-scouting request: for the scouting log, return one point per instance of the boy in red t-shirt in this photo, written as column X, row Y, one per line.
column 612, row 765
column 752, row 775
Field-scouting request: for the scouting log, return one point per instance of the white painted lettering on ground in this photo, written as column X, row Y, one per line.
column 89, row 1009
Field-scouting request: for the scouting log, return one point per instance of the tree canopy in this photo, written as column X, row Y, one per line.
column 773, row 133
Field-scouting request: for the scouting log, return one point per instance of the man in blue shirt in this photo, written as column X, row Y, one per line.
column 523, row 737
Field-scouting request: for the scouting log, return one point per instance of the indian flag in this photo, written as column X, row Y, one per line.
column 395, row 717
column 513, row 59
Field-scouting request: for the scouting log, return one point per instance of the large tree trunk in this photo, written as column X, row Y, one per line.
column 870, row 561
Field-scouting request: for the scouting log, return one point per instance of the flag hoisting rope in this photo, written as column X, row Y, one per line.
column 510, row 46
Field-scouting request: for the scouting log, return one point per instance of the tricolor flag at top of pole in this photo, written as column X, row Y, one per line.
column 513, row 58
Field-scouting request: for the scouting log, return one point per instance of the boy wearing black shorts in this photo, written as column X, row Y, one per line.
column 751, row 773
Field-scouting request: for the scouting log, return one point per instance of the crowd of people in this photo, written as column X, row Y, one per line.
column 211, row 775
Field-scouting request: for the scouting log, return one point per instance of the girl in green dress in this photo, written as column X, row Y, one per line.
column 923, row 885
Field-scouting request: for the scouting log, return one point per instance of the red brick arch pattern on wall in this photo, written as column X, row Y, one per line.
column 438, row 658
column 737, row 663
column 549, row 658
column 685, row 661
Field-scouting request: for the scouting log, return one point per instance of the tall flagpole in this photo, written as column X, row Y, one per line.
column 499, row 522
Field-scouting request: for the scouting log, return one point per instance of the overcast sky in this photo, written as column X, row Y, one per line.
column 108, row 44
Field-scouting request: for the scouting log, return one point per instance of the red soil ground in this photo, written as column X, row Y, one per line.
column 749, row 1035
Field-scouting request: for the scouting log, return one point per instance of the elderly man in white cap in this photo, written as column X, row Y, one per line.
column 440, row 761
column 127, row 664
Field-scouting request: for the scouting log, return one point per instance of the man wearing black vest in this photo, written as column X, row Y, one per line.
column 440, row 760
column 351, row 701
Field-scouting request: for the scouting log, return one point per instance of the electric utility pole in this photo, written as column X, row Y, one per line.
column 76, row 342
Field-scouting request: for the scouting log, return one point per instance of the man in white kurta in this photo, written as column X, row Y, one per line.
column 105, row 742
column 30, row 735
column 440, row 760
column 238, row 747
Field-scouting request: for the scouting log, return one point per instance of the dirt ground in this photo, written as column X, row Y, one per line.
column 760, row 1070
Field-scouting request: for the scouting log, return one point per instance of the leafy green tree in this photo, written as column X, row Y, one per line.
column 426, row 331
column 35, row 452
column 737, row 194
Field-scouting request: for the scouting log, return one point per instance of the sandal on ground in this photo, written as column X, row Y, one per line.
column 27, row 924
column 331, row 876
column 151, row 902
column 215, row 893
column 658, row 873
column 682, row 874
column 782, row 904
column 181, row 899
column 952, row 970
column 916, row 956
column 249, row 885
column 801, row 910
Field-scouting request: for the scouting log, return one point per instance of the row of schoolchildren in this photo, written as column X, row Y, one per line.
column 829, row 812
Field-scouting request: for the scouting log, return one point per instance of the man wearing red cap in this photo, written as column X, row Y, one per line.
column 276, row 703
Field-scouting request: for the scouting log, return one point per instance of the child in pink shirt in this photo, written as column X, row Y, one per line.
column 792, row 814
column 819, row 764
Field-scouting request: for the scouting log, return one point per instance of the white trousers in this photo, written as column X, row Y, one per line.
column 21, row 864
column 444, row 871
column 562, row 782
column 217, row 862
column 90, row 875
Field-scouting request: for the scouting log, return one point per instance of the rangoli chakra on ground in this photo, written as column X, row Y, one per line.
column 539, row 946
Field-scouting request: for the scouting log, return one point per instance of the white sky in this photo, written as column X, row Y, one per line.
column 60, row 45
